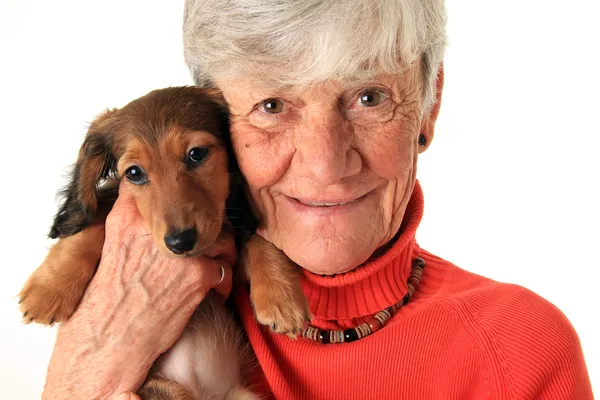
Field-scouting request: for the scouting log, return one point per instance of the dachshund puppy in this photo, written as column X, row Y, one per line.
column 172, row 147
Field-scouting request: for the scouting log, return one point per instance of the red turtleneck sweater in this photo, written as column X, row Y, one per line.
column 461, row 336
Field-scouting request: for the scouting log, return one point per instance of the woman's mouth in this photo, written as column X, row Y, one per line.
column 326, row 207
column 323, row 204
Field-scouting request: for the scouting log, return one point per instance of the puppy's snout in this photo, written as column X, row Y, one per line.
column 181, row 241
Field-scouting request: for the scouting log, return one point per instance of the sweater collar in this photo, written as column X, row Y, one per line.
column 373, row 286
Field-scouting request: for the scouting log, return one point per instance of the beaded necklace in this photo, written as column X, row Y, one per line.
column 375, row 323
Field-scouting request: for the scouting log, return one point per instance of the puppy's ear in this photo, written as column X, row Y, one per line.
column 238, row 207
column 222, row 113
column 95, row 163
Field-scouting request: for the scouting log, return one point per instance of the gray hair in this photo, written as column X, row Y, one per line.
column 299, row 42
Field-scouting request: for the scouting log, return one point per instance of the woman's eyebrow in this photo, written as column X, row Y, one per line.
column 256, row 96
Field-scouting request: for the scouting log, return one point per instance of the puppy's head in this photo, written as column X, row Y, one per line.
column 170, row 147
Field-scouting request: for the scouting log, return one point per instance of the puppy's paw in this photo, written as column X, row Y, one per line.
column 162, row 389
column 54, row 290
column 47, row 299
column 282, row 308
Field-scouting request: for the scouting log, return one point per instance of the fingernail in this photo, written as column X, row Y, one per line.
column 124, row 396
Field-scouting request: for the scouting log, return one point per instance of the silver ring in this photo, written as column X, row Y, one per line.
column 222, row 274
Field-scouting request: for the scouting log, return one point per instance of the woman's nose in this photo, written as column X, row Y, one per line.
column 324, row 152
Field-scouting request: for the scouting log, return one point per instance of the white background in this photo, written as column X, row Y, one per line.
column 510, row 182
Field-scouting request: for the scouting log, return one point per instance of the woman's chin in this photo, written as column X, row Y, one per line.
column 336, row 270
column 331, row 262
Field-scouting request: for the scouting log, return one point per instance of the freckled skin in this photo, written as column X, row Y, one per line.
column 325, row 143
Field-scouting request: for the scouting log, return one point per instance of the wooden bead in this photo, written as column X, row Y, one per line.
column 380, row 318
column 374, row 324
column 387, row 314
column 363, row 330
column 335, row 336
column 314, row 334
column 324, row 337
column 416, row 275
column 405, row 299
column 350, row 335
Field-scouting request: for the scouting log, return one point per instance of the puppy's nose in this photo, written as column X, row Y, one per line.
column 180, row 242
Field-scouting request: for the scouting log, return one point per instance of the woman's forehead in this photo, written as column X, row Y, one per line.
column 251, row 86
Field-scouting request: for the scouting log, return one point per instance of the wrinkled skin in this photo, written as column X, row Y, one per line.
column 325, row 146
column 330, row 143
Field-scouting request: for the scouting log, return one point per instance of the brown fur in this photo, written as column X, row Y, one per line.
column 276, row 295
column 162, row 389
column 156, row 132
column 54, row 290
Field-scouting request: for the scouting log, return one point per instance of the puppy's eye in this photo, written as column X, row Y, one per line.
column 136, row 175
column 197, row 155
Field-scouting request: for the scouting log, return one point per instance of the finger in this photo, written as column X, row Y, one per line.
column 124, row 211
column 223, row 286
column 224, row 248
column 125, row 204
column 210, row 275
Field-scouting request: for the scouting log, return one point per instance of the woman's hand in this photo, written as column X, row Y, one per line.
column 134, row 309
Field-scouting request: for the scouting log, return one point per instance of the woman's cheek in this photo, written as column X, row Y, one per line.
column 389, row 153
column 251, row 147
column 263, row 164
column 263, row 158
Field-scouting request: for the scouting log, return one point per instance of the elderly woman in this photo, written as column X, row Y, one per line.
column 331, row 104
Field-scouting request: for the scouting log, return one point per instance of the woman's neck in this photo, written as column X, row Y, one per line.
column 373, row 286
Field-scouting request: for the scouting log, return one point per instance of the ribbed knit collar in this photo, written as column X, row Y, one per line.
column 375, row 285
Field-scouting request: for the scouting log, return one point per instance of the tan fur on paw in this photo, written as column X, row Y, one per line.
column 281, row 307
column 161, row 389
column 47, row 300
column 275, row 288
column 54, row 290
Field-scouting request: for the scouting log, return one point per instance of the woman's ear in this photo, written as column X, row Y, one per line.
column 96, row 162
column 428, row 126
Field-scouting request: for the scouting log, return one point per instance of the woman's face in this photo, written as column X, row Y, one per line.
column 330, row 167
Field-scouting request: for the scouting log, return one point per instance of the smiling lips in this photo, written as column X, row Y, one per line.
column 317, row 204
column 328, row 203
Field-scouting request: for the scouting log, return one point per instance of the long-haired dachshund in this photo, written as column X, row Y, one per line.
column 172, row 146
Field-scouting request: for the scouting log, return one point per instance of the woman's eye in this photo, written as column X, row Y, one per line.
column 370, row 98
column 272, row 106
column 196, row 155
column 136, row 175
